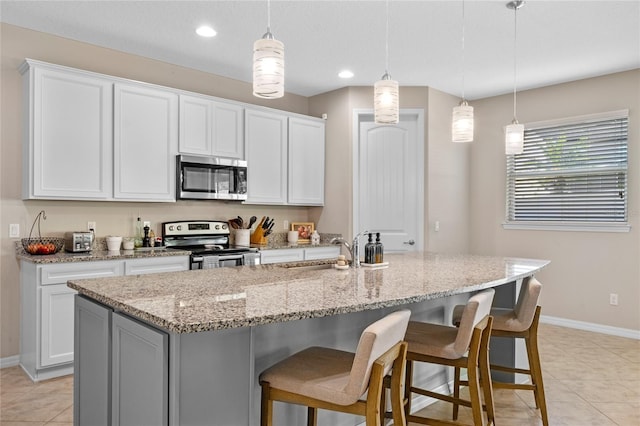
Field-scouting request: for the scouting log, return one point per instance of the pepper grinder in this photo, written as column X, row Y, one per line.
column 146, row 242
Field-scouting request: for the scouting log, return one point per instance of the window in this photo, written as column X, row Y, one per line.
column 572, row 174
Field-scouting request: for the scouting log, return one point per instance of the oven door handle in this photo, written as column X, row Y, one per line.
column 230, row 257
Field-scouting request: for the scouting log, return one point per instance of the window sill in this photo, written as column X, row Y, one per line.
column 579, row 227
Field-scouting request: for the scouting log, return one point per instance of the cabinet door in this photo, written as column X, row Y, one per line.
column 145, row 143
column 56, row 325
column 68, row 145
column 266, row 152
column 228, row 130
column 92, row 364
column 140, row 372
column 306, row 162
column 196, row 124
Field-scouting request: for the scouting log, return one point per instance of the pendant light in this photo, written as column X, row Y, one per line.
column 386, row 98
column 514, row 132
column 268, row 64
column 462, row 117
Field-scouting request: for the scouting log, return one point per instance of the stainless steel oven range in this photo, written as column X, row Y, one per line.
column 209, row 244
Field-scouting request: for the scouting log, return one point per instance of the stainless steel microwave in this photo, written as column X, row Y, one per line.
column 210, row 178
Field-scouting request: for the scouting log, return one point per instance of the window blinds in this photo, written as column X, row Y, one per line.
column 571, row 171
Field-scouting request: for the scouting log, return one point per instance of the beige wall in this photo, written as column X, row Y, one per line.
column 586, row 266
column 111, row 217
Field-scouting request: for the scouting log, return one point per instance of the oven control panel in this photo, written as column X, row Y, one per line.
column 195, row 228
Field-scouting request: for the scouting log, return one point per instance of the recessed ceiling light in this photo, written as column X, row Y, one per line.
column 206, row 31
column 345, row 74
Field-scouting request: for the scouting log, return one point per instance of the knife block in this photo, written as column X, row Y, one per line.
column 258, row 236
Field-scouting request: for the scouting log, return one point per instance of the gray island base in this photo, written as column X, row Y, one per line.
column 186, row 348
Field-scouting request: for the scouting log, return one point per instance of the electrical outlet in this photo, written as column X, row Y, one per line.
column 91, row 226
column 613, row 299
column 285, row 224
column 436, row 226
column 14, row 230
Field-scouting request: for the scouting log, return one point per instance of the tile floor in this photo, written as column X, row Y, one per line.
column 590, row 379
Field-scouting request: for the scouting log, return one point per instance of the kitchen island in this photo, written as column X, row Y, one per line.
column 186, row 348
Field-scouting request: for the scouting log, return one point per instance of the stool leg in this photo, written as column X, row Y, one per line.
column 312, row 416
column 474, row 390
column 456, row 391
column 408, row 382
column 266, row 406
column 485, row 375
column 536, row 375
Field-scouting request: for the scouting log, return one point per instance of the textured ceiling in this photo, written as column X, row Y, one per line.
column 558, row 41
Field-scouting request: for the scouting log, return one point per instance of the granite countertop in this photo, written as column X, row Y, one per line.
column 203, row 300
column 99, row 254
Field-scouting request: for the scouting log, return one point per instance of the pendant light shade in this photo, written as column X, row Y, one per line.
column 268, row 64
column 462, row 123
column 268, row 68
column 514, row 138
column 462, row 117
column 386, row 101
column 514, row 132
column 386, row 95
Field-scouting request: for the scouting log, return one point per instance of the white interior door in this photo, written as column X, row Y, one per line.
column 389, row 189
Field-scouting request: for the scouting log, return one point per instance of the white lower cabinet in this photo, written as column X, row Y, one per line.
column 47, row 313
column 56, row 342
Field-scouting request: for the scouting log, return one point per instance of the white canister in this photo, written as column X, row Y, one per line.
column 292, row 237
column 242, row 237
column 113, row 243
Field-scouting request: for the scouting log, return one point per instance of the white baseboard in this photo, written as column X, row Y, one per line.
column 589, row 326
column 10, row 361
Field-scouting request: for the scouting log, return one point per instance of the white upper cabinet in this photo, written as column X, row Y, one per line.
column 306, row 162
column 209, row 127
column 68, row 134
column 145, row 143
column 285, row 159
column 266, row 154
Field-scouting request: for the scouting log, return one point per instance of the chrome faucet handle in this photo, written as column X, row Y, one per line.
column 355, row 249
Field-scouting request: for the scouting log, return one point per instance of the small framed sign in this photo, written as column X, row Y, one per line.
column 305, row 229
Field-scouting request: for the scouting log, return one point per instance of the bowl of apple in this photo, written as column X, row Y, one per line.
column 42, row 245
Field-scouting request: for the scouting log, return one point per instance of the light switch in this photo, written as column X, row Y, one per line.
column 14, row 230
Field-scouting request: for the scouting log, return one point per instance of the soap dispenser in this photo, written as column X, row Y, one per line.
column 379, row 250
column 369, row 251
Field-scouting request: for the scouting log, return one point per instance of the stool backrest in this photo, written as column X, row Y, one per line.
column 527, row 302
column 478, row 307
column 375, row 340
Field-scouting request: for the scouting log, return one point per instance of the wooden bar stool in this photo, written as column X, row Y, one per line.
column 520, row 322
column 445, row 345
column 336, row 380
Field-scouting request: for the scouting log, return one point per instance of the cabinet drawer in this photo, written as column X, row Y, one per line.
column 61, row 273
column 281, row 256
column 154, row 265
column 321, row 253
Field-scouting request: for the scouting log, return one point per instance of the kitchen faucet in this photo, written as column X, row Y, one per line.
column 354, row 247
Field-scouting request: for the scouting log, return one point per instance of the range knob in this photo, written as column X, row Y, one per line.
column 170, row 227
column 224, row 226
column 179, row 227
column 217, row 226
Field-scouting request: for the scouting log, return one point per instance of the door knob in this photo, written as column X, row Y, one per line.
column 410, row 242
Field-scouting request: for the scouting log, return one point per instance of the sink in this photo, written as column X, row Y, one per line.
column 307, row 266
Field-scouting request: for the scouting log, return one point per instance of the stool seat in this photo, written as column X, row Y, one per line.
column 316, row 372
